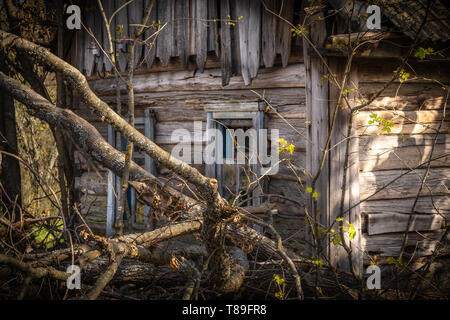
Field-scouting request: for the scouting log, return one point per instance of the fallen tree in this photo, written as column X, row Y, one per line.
column 214, row 211
column 213, row 216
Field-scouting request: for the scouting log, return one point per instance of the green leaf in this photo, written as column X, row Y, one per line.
column 336, row 239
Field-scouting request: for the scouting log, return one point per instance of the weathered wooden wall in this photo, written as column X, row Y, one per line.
column 177, row 97
column 241, row 32
column 416, row 108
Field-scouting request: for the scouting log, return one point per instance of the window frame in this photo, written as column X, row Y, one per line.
column 147, row 122
column 253, row 111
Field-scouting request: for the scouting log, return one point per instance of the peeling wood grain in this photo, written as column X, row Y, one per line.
column 437, row 183
column 135, row 14
column 164, row 42
column 292, row 76
column 254, row 38
column 243, row 10
column 387, row 152
column 425, row 205
column 98, row 22
column 108, row 6
column 389, row 245
column 394, row 222
column 122, row 45
column 201, row 37
column 89, row 58
column 182, row 30
column 269, row 29
column 284, row 37
column 225, row 42
column 405, row 122
column 150, row 45
column 213, row 35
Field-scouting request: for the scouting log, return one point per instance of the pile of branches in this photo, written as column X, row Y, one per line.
column 217, row 264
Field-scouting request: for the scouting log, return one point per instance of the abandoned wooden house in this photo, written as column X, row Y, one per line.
column 235, row 64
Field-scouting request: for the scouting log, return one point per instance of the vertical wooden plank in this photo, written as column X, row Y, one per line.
column 183, row 30
column 150, row 45
column 235, row 50
column 149, row 165
column 110, row 208
column 269, row 29
column 284, row 35
column 201, row 43
column 243, row 9
column 354, row 193
column 174, row 47
column 212, row 32
column 338, row 256
column 219, row 157
column 108, row 6
column 256, row 168
column 132, row 206
column 254, row 38
column 89, row 44
column 149, row 131
column 122, row 44
column 225, row 42
column 118, row 187
column 98, row 22
column 165, row 37
column 317, row 115
column 238, row 183
column 79, row 49
column 135, row 13
column 210, row 167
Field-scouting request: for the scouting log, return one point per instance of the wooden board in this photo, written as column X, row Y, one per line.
column 337, row 160
column 405, row 122
column 150, row 45
column 225, row 42
column 232, row 107
column 164, row 131
column 212, row 31
column 284, row 35
column 395, row 222
column 189, row 105
column 254, row 38
column 200, row 15
column 282, row 99
column 98, row 22
column 411, row 96
column 135, row 14
column 182, row 30
column 287, row 188
column 165, row 41
column 389, row 245
column 243, row 10
column 108, row 6
column 122, row 19
column 425, row 205
column 317, row 114
column 387, row 152
column 437, row 183
column 292, row 76
column 424, row 71
column 269, row 29
column 89, row 58
column 90, row 183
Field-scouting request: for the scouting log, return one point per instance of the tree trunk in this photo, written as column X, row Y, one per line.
column 9, row 167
